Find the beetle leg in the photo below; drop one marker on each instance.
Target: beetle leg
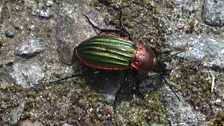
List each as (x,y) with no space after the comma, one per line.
(65,78)
(99,29)
(123,86)
(137,83)
(73,76)
(171,89)
(122,28)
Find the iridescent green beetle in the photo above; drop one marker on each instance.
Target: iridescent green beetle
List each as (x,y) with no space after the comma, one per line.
(112,52)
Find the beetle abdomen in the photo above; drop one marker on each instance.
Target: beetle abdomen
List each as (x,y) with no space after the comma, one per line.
(107,51)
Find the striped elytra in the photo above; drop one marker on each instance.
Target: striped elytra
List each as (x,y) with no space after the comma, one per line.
(107,51)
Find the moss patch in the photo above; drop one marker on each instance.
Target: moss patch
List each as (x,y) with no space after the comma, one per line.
(218,120)
(195,86)
(140,112)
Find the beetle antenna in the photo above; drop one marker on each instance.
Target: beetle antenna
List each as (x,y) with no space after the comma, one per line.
(171,56)
(172,89)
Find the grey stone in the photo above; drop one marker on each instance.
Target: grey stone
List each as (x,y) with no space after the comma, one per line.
(1,5)
(56,71)
(30,47)
(62,33)
(207,48)
(45,8)
(49,3)
(42,9)
(16,113)
(178,112)
(218,101)
(214,12)
(7,60)
(73,27)
(45,13)
(186,5)
(27,74)
(10,33)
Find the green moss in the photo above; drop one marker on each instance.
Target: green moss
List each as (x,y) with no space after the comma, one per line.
(194,86)
(28,106)
(144,24)
(218,120)
(81,82)
(140,112)
(1,42)
(192,24)
(8,105)
(31,93)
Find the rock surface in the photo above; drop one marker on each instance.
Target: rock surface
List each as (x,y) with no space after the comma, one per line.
(214,12)
(28,48)
(27,74)
(42,82)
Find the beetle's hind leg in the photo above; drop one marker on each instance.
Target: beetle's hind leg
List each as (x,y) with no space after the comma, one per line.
(123,85)
(122,30)
(100,29)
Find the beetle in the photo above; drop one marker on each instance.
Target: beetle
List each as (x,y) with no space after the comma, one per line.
(112,52)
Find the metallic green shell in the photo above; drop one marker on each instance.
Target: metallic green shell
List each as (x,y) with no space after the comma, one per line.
(107,51)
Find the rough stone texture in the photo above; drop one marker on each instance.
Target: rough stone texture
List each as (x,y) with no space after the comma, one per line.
(27,73)
(30,47)
(214,12)
(205,48)
(16,113)
(37,40)
(10,33)
(1,5)
(178,110)
(70,22)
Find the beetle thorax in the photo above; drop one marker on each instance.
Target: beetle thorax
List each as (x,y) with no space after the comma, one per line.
(144,59)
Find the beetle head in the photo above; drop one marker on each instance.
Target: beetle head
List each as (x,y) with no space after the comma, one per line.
(146,60)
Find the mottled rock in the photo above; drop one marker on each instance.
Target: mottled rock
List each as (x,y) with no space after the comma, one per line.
(109,91)
(66,124)
(55,71)
(185,5)
(30,123)
(73,27)
(214,12)
(178,112)
(10,33)
(150,83)
(27,74)
(6,60)
(1,5)
(45,8)
(29,47)
(207,48)
(59,26)
(45,13)
(16,113)
(49,3)
(42,9)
